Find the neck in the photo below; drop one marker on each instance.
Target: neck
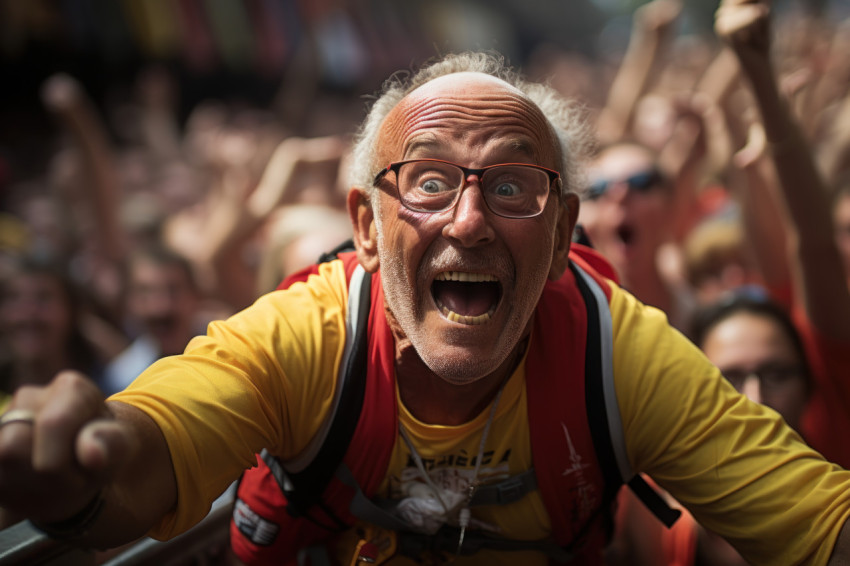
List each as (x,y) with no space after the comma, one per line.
(433,400)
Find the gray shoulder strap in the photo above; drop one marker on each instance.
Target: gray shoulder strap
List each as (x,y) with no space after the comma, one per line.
(307,456)
(612,407)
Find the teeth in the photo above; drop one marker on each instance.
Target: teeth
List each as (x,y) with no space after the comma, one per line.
(465,276)
(462,319)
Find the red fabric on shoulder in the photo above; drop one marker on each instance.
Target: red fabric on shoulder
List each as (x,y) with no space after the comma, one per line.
(349,260)
(594,263)
(260,501)
(564,457)
(378,424)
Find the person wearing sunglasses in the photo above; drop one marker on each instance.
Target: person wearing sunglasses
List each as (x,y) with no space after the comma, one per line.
(625,214)
(463,206)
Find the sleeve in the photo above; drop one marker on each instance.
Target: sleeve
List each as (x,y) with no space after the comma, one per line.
(262,379)
(733,463)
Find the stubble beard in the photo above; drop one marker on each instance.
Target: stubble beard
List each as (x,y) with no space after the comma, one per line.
(405,305)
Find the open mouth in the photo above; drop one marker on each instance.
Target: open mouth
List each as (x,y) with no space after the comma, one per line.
(626,234)
(466,298)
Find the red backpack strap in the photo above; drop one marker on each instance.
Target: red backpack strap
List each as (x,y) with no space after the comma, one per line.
(568,473)
(361,424)
(601,397)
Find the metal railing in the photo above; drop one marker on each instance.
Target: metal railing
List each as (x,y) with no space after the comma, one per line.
(24,545)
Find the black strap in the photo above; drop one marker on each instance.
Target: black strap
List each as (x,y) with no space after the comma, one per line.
(594,396)
(313,480)
(304,489)
(654,502)
(307,486)
(597,416)
(346,246)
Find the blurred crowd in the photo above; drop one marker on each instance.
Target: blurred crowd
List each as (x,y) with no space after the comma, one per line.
(149,220)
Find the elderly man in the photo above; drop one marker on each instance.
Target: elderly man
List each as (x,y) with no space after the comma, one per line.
(463,208)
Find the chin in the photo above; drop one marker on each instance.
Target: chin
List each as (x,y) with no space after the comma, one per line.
(460,366)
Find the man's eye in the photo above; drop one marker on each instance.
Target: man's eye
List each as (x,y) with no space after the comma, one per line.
(507,190)
(433,186)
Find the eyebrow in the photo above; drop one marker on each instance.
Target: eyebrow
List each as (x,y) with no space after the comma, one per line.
(422,144)
(430,145)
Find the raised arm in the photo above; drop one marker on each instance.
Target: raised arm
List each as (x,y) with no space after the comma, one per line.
(650,32)
(98,474)
(241,205)
(817,276)
(64,96)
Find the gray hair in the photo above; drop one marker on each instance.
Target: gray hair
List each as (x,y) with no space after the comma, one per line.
(566,117)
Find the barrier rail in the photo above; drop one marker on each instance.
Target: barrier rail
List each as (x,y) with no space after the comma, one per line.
(24,545)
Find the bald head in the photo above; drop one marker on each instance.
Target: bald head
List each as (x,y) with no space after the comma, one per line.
(453,76)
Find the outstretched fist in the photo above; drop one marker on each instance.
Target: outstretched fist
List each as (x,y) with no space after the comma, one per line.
(59,445)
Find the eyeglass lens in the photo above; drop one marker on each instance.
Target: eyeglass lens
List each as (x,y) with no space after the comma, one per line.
(769,377)
(641,182)
(514,191)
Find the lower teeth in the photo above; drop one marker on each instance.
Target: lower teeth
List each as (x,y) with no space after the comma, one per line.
(463,319)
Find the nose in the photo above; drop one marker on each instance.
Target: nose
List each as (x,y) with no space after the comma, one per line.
(617,191)
(158,302)
(752,388)
(470,222)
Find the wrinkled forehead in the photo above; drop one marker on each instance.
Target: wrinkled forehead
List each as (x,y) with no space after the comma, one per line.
(479,110)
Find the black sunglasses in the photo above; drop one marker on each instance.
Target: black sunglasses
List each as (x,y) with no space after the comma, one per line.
(641,182)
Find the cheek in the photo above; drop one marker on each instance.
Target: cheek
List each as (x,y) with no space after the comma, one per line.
(652,208)
(589,215)
(796,394)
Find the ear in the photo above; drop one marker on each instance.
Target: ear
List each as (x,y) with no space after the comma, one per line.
(567,218)
(363,224)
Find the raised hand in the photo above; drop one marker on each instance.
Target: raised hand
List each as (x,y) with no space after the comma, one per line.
(745,26)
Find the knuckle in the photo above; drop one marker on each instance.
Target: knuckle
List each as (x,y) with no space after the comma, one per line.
(70,379)
(25,396)
(52,421)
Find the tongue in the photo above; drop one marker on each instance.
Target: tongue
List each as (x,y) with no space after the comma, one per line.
(468,299)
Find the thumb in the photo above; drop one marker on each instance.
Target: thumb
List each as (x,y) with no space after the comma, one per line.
(754,149)
(104,446)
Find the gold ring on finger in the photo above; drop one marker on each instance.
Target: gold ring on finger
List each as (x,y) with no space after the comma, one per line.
(17,416)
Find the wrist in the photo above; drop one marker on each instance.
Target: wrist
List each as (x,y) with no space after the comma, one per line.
(79,524)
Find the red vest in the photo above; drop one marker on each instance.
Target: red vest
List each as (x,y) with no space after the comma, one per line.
(555,384)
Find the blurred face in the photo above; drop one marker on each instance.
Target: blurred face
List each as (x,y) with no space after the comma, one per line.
(841,220)
(36,318)
(627,214)
(162,300)
(463,283)
(757,357)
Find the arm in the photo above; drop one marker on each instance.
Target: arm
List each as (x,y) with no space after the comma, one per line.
(78,447)
(762,214)
(235,211)
(734,464)
(817,276)
(159,127)
(682,158)
(64,97)
(650,32)
(835,147)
